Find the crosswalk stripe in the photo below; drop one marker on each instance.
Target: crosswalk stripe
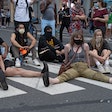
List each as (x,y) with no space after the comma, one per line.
(12,91)
(37,83)
(94,82)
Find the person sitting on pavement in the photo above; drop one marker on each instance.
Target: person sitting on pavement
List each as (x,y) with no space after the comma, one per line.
(100,52)
(3,82)
(80,66)
(8,68)
(19,40)
(49,48)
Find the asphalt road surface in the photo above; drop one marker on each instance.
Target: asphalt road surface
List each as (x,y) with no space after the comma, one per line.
(30,95)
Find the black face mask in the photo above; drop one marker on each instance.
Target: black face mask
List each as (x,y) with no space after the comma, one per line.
(48,35)
(78,42)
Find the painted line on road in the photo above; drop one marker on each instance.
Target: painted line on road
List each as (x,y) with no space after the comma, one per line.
(94,82)
(37,83)
(12,91)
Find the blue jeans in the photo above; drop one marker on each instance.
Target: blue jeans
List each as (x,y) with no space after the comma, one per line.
(45,23)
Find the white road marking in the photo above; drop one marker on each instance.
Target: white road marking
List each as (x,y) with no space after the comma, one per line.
(97,83)
(37,83)
(12,91)
(54,68)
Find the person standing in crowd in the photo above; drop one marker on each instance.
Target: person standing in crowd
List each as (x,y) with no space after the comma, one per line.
(65,19)
(19,40)
(77,15)
(91,27)
(100,52)
(60,13)
(3,18)
(49,15)
(8,17)
(109,26)
(80,66)
(22,12)
(49,48)
(100,16)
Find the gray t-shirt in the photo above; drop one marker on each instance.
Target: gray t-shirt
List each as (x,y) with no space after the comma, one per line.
(49,12)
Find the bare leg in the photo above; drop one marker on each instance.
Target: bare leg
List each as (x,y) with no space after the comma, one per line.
(22,72)
(54,80)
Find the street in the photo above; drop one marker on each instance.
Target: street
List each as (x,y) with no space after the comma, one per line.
(30,95)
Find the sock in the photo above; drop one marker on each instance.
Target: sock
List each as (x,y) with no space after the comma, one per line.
(98,63)
(107,62)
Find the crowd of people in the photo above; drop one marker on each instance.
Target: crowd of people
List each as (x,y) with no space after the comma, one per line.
(96,53)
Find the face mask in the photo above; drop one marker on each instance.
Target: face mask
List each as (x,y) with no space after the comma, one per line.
(96,5)
(78,42)
(48,34)
(98,39)
(21,31)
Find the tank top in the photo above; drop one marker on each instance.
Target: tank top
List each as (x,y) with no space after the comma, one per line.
(79,57)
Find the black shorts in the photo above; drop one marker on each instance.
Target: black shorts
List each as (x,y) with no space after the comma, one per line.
(9,63)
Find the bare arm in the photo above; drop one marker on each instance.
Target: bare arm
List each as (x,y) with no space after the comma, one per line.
(86,48)
(32,1)
(33,40)
(6,50)
(12,1)
(66,50)
(104,20)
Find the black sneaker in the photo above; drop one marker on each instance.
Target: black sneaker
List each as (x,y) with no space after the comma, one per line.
(4,85)
(45,72)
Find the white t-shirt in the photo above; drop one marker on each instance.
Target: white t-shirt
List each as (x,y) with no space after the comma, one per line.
(21,11)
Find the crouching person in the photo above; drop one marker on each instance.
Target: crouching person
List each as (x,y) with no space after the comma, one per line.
(19,40)
(49,48)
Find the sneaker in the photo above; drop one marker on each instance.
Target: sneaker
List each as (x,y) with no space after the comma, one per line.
(107,68)
(45,72)
(101,69)
(17,63)
(36,62)
(3,83)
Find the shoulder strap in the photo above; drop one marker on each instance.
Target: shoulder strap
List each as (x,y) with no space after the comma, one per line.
(16,2)
(73,56)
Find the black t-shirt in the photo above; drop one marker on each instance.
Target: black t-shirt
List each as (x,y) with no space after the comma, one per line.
(22,40)
(66,19)
(104,46)
(1,41)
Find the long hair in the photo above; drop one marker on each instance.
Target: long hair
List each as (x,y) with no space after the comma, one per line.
(93,40)
(76,34)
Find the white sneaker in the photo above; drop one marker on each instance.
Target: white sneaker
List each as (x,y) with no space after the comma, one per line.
(101,69)
(17,63)
(107,68)
(36,62)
